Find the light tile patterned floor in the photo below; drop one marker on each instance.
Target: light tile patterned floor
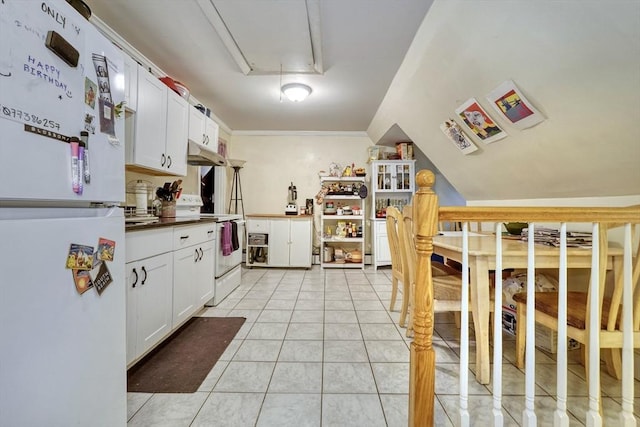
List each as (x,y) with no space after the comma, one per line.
(320,348)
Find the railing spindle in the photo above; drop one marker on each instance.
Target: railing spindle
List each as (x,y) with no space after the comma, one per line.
(498,418)
(561,419)
(627,418)
(464,330)
(528,414)
(593,417)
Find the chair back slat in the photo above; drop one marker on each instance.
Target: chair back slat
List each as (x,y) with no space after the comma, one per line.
(394,228)
(410,243)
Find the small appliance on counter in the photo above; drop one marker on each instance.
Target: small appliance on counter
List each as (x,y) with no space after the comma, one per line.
(292,208)
(143,193)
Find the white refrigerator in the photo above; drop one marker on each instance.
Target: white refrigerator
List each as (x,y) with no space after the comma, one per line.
(62,284)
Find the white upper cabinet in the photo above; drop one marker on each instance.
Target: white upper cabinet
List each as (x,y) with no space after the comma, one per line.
(177,131)
(203,130)
(157,133)
(130,83)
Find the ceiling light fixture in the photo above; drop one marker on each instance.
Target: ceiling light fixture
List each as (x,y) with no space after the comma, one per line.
(296,92)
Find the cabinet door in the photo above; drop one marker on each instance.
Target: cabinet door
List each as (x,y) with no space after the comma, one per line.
(300,248)
(279,243)
(205,274)
(132,270)
(153,299)
(403,177)
(381,242)
(184,283)
(150,134)
(211,134)
(196,126)
(384,177)
(177,133)
(130,83)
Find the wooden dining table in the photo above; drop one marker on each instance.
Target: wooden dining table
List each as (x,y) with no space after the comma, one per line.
(482,259)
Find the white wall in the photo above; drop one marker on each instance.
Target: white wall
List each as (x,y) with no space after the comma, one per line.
(578,62)
(274,161)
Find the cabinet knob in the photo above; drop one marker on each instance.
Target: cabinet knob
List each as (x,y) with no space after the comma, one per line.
(168,161)
(163,159)
(135,281)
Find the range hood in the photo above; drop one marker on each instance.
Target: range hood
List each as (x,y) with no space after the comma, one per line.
(200,155)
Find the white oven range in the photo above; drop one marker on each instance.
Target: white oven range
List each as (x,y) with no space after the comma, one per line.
(228,269)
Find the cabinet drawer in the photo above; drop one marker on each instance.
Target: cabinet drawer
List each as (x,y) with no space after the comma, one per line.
(188,235)
(144,244)
(258,225)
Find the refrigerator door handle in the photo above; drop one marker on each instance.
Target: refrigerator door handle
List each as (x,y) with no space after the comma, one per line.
(135,281)
(144,270)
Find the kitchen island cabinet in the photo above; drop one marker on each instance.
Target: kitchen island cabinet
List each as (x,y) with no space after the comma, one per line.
(279,240)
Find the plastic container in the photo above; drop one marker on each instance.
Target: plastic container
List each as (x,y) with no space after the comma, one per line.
(182,90)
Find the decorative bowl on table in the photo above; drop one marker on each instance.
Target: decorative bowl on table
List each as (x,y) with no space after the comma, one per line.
(515,228)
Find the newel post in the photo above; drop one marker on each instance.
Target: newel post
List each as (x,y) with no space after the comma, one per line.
(423,357)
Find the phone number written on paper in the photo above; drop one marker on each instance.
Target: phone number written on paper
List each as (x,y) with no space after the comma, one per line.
(24,117)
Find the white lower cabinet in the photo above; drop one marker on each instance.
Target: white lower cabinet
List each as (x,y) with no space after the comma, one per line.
(381,251)
(170,274)
(192,270)
(149,270)
(205,274)
(283,242)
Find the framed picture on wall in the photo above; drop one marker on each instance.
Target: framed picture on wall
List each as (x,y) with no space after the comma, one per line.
(479,122)
(507,100)
(455,134)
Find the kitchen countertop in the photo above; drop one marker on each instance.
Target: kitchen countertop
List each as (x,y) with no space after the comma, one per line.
(279,216)
(165,222)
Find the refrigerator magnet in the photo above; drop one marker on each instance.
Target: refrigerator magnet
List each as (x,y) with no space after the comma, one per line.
(80,257)
(82,279)
(106,249)
(107,119)
(102,279)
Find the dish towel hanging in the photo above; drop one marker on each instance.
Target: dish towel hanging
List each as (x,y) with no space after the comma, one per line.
(235,244)
(225,241)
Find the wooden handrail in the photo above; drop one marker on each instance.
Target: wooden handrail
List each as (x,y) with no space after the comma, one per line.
(426,214)
(629,214)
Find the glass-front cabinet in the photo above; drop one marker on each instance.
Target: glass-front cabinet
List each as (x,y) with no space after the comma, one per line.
(392,176)
(393,184)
